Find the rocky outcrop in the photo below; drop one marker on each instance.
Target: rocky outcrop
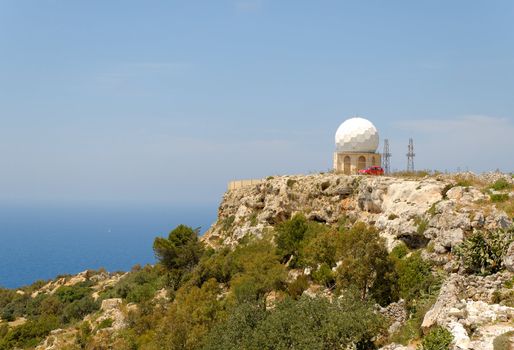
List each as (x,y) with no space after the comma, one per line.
(59,339)
(112,310)
(415,211)
(101,279)
(465,308)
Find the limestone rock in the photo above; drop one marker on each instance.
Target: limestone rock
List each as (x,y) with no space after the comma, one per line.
(448,297)
(396,314)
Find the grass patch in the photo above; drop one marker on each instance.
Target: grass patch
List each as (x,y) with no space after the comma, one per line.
(392,217)
(422,225)
(432,210)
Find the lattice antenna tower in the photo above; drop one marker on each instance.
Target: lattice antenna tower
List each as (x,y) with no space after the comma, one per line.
(410,156)
(386,157)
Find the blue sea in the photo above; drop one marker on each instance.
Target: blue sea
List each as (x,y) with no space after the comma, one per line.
(41,242)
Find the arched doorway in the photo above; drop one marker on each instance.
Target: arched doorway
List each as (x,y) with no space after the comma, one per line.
(347,163)
(361,163)
(373,161)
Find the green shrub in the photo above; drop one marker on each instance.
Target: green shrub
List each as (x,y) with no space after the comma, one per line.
(30,333)
(482,252)
(139,285)
(399,251)
(256,270)
(78,309)
(187,320)
(324,276)
(69,294)
(438,338)
(84,334)
(499,197)
(415,278)
(106,323)
(304,324)
(298,286)
(322,247)
(214,264)
(500,184)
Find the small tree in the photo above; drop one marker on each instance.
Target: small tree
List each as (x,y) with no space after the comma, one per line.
(179,253)
(289,236)
(365,263)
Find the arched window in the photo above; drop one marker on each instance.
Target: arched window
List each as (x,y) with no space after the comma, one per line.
(347,163)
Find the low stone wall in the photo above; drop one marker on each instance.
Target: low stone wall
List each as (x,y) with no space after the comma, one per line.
(234,185)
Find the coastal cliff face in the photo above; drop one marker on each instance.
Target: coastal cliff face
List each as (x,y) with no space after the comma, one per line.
(418,211)
(431,213)
(429,218)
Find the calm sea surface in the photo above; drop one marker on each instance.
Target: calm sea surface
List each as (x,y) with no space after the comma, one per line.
(42,242)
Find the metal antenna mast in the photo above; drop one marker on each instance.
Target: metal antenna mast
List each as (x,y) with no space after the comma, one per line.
(410,156)
(386,157)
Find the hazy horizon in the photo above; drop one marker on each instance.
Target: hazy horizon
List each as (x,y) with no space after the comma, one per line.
(165,102)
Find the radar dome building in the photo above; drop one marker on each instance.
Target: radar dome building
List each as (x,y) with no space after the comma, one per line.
(356,146)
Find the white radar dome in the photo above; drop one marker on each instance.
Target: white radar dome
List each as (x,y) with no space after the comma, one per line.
(357,135)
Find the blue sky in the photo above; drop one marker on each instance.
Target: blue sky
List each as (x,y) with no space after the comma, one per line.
(166,101)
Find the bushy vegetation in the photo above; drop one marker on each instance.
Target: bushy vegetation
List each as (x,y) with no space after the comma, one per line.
(45,312)
(242,297)
(438,338)
(482,252)
(303,324)
(140,285)
(500,185)
(179,253)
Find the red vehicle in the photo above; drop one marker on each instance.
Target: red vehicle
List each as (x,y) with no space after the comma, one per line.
(372,170)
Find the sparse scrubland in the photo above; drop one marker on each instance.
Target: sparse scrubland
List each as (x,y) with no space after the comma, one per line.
(411,261)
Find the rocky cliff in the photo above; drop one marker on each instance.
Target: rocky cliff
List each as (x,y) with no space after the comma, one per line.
(434,213)
(417,211)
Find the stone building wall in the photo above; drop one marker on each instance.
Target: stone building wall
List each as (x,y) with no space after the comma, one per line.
(351,163)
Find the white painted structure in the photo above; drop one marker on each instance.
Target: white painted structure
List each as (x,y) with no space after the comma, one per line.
(356,146)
